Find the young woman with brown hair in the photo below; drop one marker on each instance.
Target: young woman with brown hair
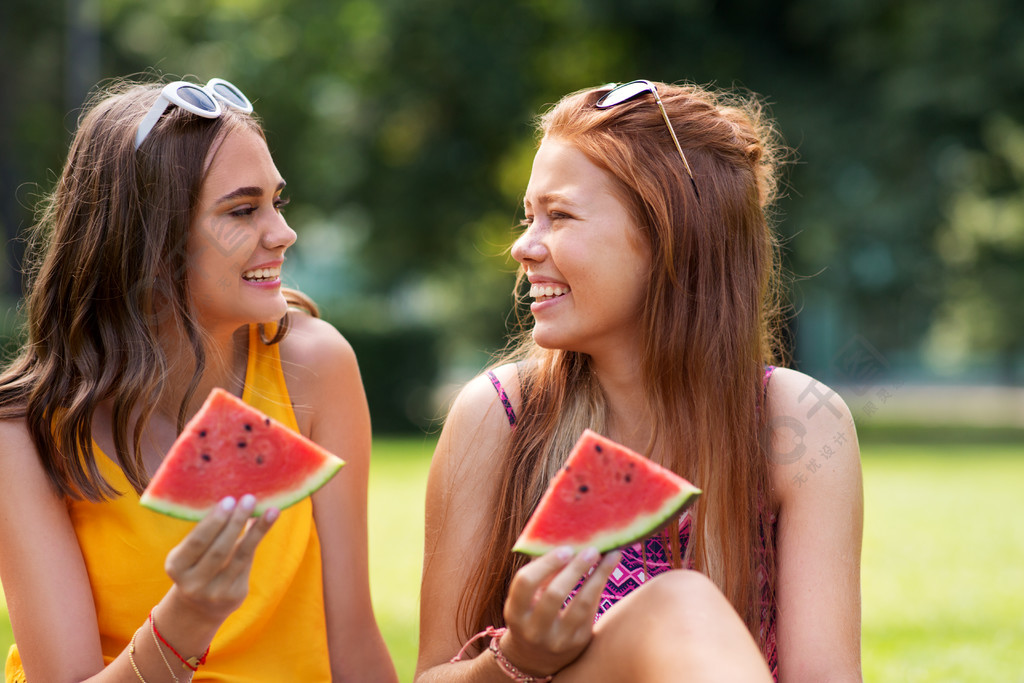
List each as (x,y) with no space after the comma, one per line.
(156,276)
(652,270)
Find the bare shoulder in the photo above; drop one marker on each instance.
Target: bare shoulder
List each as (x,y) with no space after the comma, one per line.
(477,423)
(315,345)
(462,489)
(464,470)
(27,497)
(819,501)
(320,369)
(19,460)
(814,439)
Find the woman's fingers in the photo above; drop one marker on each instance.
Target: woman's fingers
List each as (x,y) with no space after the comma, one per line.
(219,551)
(523,590)
(254,533)
(584,604)
(544,633)
(225,538)
(539,590)
(187,553)
(550,598)
(211,566)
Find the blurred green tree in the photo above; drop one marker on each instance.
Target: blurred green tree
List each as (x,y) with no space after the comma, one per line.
(404,129)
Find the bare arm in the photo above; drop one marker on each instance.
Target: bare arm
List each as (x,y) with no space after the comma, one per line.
(324,382)
(818,490)
(461,490)
(543,636)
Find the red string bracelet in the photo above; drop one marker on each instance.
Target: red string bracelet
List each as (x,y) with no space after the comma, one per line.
(192,662)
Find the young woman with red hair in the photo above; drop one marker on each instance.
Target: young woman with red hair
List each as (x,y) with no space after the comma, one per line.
(653,274)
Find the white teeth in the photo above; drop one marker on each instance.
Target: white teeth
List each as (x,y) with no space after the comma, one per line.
(260,274)
(540,292)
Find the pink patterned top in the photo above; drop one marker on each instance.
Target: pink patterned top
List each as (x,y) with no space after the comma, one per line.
(651,557)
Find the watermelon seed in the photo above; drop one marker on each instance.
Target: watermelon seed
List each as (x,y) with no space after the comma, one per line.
(259,459)
(597,447)
(628,478)
(241,444)
(206,457)
(202,432)
(248,427)
(584,488)
(266,421)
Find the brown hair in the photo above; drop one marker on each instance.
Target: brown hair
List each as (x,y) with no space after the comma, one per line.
(708,328)
(107,269)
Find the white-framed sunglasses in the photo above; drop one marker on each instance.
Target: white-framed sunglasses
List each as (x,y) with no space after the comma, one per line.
(207,101)
(627,91)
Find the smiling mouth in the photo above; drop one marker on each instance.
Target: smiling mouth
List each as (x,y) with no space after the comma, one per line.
(547,292)
(262,274)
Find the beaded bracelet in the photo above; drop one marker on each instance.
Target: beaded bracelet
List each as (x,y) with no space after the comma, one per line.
(192,663)
(507,667)
(131,657)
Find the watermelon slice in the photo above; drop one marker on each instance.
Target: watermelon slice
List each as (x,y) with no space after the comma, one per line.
(229,449)
(606,496)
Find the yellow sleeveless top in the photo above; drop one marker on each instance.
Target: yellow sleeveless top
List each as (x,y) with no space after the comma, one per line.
(278,634)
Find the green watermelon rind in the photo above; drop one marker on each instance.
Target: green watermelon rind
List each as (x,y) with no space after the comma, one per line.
(640,528)
(310,485)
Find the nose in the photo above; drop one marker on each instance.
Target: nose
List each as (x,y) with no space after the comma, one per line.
(529,247)
(278,234)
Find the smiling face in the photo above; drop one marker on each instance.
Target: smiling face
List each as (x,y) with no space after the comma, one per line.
(238,237)
(583,255)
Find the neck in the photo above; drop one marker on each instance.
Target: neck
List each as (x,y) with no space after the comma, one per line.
(224,366)
(628,420)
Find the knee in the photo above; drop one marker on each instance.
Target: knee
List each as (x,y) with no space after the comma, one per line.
(688,603)
(684,598)
(681,620)
(684,593)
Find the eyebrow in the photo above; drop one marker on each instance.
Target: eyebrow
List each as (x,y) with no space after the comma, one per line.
(250,191)
(551,198)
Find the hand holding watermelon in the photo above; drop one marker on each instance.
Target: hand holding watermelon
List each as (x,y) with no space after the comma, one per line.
(544,634)
(606,496)
(210,567)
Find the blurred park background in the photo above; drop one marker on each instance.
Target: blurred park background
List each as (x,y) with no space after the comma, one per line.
(404,130)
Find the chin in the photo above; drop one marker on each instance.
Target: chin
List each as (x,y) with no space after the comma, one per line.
(275,317)
(546,339)
(272,310)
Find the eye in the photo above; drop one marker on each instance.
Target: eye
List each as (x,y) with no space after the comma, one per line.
(526,223)
(280,203)
(243,211)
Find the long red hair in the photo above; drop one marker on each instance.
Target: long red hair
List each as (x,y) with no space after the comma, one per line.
(709,327)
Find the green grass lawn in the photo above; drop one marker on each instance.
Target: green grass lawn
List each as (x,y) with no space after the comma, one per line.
(943,571)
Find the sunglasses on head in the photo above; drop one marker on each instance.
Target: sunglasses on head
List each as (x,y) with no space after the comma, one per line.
(208,101)
(627,91)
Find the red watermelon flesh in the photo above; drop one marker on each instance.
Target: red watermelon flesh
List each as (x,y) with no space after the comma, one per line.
(605,496)
(230,449)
